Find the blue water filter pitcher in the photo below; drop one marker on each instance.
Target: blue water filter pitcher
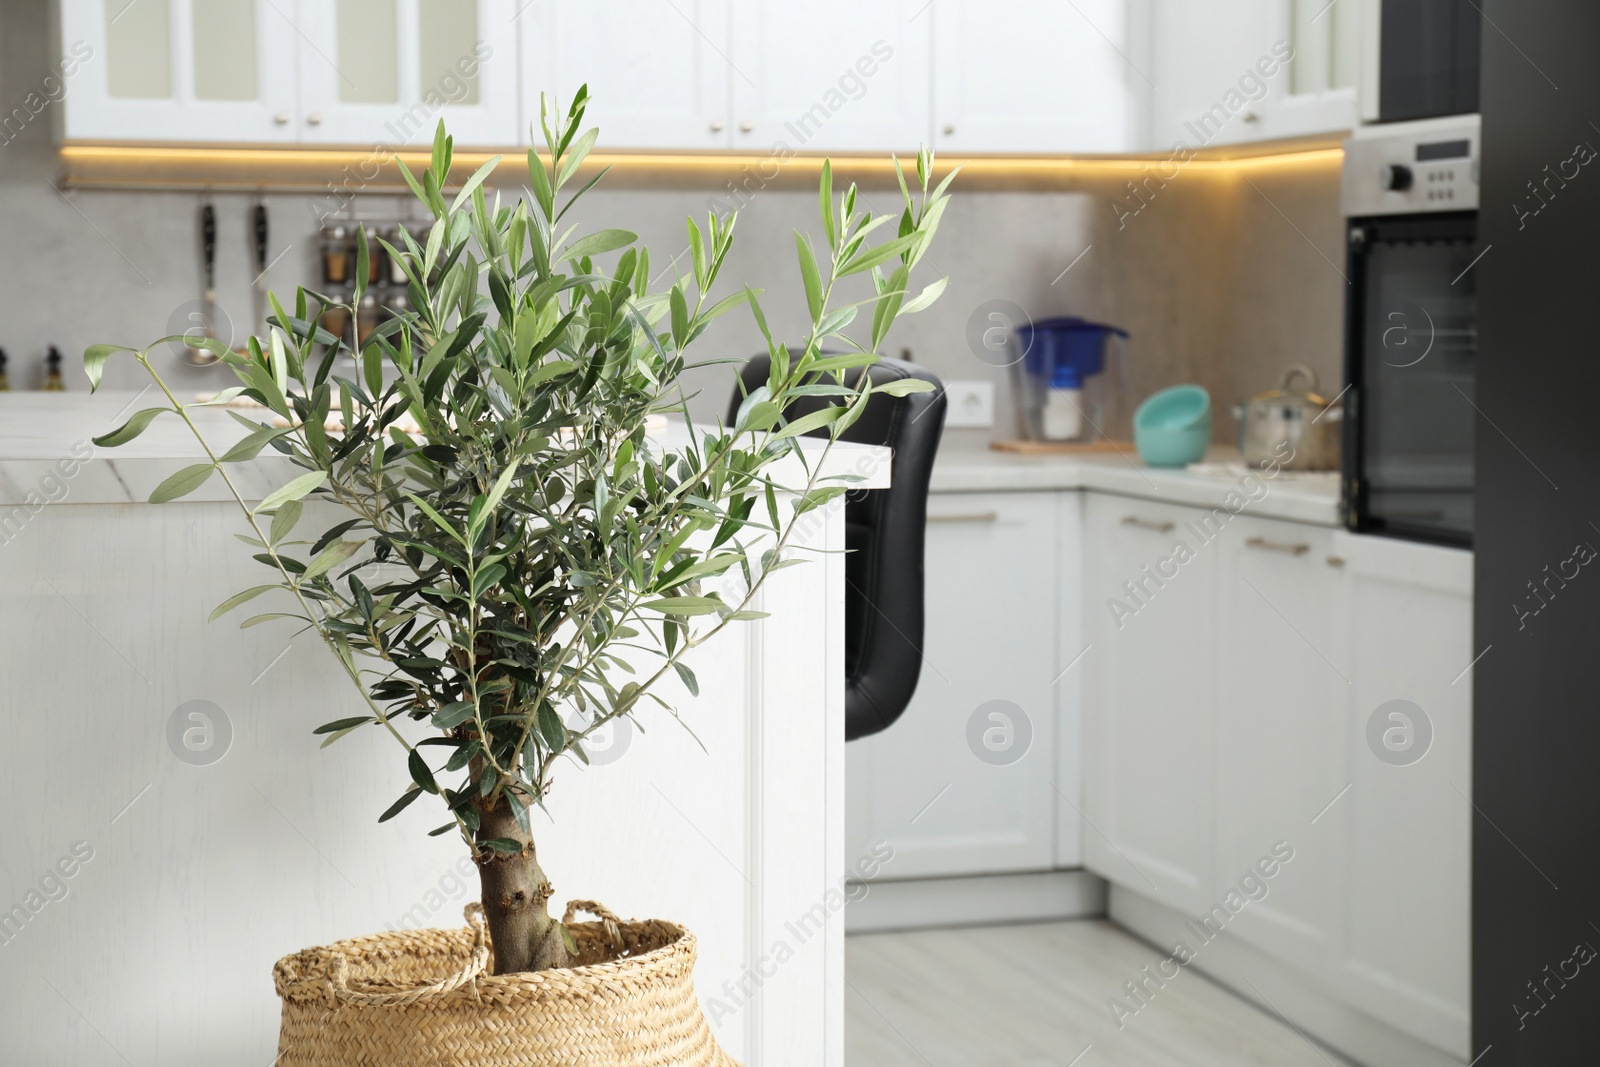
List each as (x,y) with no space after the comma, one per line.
(1063,383)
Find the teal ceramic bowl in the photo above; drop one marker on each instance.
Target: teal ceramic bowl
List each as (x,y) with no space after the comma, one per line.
(1173,427)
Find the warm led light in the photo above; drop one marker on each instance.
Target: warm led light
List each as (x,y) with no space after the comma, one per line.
(278,160)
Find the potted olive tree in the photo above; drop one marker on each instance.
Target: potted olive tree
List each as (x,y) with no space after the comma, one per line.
(486,456)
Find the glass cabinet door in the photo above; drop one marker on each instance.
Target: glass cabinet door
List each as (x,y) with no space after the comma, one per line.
(179,70)
(384,72)
(1319,91)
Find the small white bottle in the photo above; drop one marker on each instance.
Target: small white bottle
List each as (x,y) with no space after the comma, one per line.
(1062,417)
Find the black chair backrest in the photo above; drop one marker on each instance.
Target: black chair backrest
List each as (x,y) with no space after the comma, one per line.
(885,530)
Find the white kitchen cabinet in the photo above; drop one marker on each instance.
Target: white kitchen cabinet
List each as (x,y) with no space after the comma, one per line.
(1403,879)
(387,71)
(1293,683)
(658,74)
(1072,648)
(361,72)
(178,70)
(1233,71)
(1320,93)
(962,782)
(222,837)
(1034,76)
(1204,50)
(1149,705)
(831,75)
(1282,686)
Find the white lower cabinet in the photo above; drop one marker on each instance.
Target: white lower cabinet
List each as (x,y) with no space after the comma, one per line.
(1402,884)
(1282,683)
(1149,700)
(1166,694)
(962,783)
(1298,684)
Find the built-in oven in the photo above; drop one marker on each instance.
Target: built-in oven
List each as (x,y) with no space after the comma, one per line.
(1410,195)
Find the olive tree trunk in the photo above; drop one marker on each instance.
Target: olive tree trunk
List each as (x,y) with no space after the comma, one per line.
(516,896)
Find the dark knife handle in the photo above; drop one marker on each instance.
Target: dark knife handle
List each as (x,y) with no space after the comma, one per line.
(208,243)
(259,217)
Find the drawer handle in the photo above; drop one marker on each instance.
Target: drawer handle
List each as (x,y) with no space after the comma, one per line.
(971,516)
(1277,546)
(1146,524)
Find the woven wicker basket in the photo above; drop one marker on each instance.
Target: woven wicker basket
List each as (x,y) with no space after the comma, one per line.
(422,999)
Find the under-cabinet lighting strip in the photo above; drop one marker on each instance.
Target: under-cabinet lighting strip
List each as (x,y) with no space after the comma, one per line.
(115,166)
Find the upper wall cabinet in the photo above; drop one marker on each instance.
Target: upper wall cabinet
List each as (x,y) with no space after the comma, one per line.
(831,75)
(386,71)
(1331,48)
(1233,71)
(1034,76)
(754,76)
(828,75)
(658,73)
(179,70)
(1217,66)
(262,71)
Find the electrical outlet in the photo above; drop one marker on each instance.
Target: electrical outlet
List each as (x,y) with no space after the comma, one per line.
(971,405)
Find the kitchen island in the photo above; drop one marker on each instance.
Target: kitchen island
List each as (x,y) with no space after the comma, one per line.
(168,764)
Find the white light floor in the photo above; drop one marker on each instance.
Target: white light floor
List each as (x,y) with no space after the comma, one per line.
(1035,996)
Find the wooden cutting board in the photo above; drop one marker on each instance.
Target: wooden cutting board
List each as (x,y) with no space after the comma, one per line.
(1045,448)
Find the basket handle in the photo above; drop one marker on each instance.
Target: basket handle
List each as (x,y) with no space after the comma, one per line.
(600,911)
(338,984)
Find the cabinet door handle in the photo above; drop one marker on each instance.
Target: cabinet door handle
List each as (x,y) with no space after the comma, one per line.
(281,118)
(1146,524)
(314,119)
(746,126)
(716,125)
(1277,546)
(969,516)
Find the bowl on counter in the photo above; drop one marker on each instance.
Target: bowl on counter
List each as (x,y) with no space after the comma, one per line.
(1173,427)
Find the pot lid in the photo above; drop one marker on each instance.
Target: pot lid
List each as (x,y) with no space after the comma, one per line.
(1287,391)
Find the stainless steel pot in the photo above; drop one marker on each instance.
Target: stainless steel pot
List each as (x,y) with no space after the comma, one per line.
(1294,427)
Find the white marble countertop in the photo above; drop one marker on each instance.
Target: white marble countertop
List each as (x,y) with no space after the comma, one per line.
(1310,497)
(47,454)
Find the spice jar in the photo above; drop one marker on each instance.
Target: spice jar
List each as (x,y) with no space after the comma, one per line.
(336,256)
(377,262)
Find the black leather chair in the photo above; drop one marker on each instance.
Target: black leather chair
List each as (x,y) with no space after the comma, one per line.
(885,530)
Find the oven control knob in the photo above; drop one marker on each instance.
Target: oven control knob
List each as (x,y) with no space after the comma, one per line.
(1396,177)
